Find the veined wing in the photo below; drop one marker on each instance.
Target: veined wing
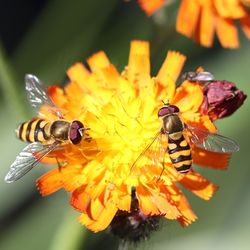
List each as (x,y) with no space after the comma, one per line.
(38,96)
(151,159)
(212,141)
(204,77)
(27,159)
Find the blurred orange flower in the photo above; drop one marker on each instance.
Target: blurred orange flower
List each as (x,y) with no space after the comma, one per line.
(201,19)
(150,6)
(121,112)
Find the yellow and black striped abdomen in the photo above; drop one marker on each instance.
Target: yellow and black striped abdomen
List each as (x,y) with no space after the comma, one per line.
(179,152)
(35,130)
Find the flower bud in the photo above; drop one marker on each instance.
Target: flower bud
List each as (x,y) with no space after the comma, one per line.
(221,99)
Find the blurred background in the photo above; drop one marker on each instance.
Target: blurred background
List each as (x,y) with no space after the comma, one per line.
(45,38)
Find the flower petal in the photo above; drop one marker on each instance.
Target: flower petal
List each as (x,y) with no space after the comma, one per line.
(138,69)
(98,61)
(79,199)
(78,73)
(197,184)
(229,8)
(187,216)
(104,219)
(49,182)
(169,72)
(146,201)
(151,6)
(207,27)
(210,159)
(227,33)
(182,97)
(188,17)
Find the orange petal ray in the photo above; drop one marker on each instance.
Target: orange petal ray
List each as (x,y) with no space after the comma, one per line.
(188,17)
(227,33)
(138,69)
(197,184)
(103,221)
(49,182)
(182,97)
(210,159)
(98,61)
(207,27)
(170,71)
(151,6)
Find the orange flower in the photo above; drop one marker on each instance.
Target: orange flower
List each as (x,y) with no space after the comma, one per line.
(121,112)
(150,6)
(201,19)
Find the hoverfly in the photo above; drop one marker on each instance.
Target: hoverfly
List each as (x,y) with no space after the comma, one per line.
(203,77)
(175,139)
(44,136)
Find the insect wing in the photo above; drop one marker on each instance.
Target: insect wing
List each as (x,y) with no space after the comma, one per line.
(27,159)
(152,157)
(204,77)
(37,96)
(211,141)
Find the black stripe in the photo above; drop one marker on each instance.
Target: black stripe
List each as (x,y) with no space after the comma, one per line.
(28,130)
(45,136)
(20,131)
(177,143)
(183,168)
(37,130)
(184,171)
(181,158)
(178,148)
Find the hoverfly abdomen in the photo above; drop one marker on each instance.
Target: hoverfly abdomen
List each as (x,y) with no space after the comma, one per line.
(179,152)
(33,131)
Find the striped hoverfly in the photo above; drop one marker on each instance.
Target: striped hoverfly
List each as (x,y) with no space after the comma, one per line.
(44,136)
(175,138)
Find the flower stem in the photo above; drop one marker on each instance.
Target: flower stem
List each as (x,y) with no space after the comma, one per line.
(9,88)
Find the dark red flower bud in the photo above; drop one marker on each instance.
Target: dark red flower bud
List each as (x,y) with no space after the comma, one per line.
(134,226)
(221,99)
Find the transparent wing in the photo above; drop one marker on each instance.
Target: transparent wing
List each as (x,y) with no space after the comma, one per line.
(37,96)
(27,159)
(200,76)
(152,157)
(212,142)
(204,77)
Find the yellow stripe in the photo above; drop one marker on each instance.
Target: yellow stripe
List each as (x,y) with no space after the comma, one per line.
(183,143)
(180,164)
(23,135)
(172,146)
(179,153)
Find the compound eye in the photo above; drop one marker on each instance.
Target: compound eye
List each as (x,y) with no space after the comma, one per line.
(173,109)
(163,112)
(76,132)
(167,110)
